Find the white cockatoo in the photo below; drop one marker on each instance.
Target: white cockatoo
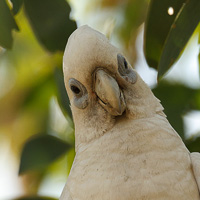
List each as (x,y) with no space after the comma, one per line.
(125,147)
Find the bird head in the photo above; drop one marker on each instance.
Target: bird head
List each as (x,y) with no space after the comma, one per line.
(102,86)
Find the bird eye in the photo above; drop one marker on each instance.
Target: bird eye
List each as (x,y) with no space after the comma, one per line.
(124,70)
(75,89)
(122,65)
(80,93)
(125,64)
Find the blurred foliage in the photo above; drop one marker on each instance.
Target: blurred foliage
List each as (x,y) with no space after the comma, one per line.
(181,30)
(35,198)
(50,22)
(134,16)
(17,4)
(33,98)
(7,23)
(157,28)
(168,28)
(40,151)
(193,143)
(180,100)
(30,77)
(62,93)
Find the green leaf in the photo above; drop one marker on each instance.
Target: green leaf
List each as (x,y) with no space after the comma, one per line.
(35,198)
(50,22)
(199,35)
(40,151)
(193,143)
(199,50)
(177,100)
(7,23)
(17,4)
(199,62)
(180,32)
(157,27)
(63,98)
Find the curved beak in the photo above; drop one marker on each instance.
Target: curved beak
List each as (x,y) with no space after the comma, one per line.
(109,94)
